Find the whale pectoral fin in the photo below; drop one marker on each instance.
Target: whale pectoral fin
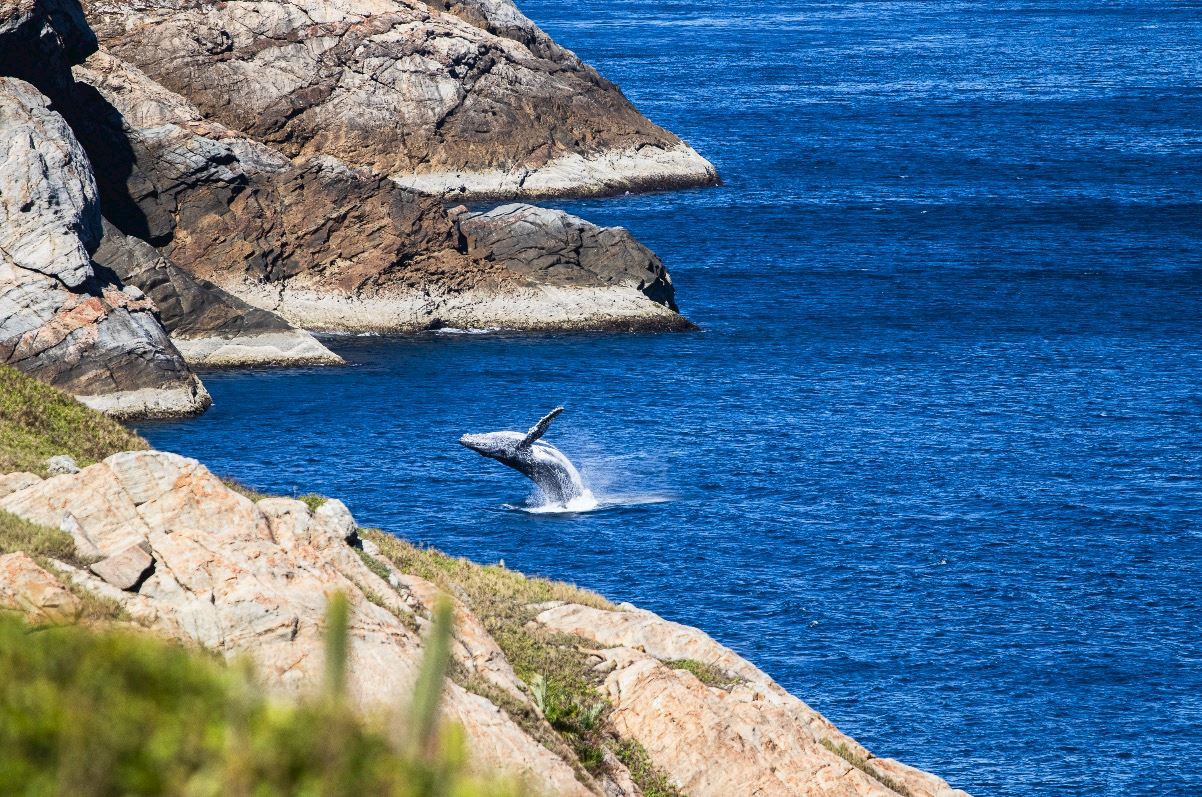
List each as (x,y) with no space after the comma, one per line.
(539,429)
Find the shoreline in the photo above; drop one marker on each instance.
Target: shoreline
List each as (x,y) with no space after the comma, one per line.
(573,176)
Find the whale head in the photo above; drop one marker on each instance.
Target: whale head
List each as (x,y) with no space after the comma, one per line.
(494,445)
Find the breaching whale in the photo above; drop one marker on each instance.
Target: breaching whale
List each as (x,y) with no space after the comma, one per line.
(542,463)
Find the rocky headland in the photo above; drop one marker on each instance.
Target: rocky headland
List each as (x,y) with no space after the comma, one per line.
(212,182)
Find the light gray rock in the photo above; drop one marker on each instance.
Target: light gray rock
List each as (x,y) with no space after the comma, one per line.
(59,321)
(127,568)
(49,212)
(13,482)
(61,464)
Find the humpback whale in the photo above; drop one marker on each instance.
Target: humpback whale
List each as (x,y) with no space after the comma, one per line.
(541,462)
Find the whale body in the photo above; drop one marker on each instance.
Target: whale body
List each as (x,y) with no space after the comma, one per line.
(542,463)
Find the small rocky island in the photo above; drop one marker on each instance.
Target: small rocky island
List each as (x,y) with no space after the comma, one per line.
(199,184)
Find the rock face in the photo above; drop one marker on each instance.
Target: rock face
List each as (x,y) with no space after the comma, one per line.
(326,246)
(209,326)
(550,247)
(766,740)
(58,320)
(40,40)
(460,97)
(39,595)
(254,579)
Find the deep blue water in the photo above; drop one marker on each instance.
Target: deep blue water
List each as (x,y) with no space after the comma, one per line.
(936,460)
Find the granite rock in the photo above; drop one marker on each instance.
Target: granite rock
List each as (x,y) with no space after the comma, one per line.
(59,320)
(247,579)
(39,595)
(447,97)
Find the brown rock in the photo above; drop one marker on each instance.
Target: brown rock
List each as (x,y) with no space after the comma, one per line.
(27,588)
(326,246)
(209,326)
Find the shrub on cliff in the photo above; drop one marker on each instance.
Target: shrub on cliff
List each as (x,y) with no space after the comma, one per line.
(95,713)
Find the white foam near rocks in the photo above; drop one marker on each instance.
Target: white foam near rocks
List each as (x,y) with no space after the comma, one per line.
(295,347)
(608,172)
(534,308)
(149,402)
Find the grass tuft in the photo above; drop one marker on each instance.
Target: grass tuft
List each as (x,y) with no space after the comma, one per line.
(708,674)
(38,422)
(17,534)
(861,763)
(313,501)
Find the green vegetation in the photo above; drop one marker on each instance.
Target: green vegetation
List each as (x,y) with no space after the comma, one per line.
(38,422)
(245,491)
(91,714)
(313,501)
(17,534)
(708,674)
(861,763)
(559,675)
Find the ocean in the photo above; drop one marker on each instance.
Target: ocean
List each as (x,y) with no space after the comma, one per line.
(934,461)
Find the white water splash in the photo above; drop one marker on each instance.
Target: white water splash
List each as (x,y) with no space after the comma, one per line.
(588,502)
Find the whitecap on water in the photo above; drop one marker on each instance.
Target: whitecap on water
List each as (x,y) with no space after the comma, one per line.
(588,503)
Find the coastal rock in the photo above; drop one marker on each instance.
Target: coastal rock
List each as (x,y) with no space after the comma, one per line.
(329,247)
(208,326)
(12,482)
(126,569)
(550,247)
(40,40)
(27,588)
(59,321)
(253,579)
(61,464)
(456,97)
(763,735)
(49,212)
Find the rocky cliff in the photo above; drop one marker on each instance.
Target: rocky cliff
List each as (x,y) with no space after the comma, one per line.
(59,319)
(265,169)
(461,98)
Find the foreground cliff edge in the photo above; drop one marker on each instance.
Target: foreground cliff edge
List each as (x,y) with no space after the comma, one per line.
(549,682)
(203,186)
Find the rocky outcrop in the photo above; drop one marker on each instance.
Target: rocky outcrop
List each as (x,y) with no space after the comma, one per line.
(26,588)
(550,247)
(210,327)
(767,740)
(59,321)
(242,578)
(461,97)
(329,247)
